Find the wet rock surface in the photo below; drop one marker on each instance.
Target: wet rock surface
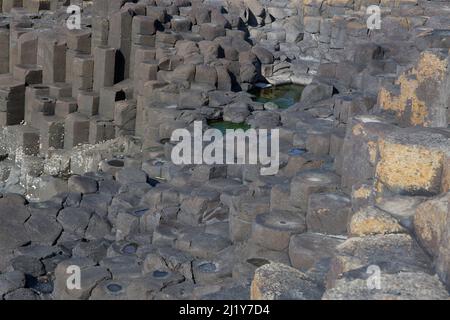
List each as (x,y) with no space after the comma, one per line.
(358,209)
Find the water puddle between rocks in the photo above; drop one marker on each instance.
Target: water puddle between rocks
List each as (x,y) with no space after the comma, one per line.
(296,152)
(130,248)
(113,287)
(284,96)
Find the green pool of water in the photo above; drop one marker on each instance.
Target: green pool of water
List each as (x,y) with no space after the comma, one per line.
(284,96)
(224,125)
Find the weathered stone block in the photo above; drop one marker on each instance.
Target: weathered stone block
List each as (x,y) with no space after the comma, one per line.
(360,150)
(76,130)
(373,221)
(307,249)
(412,161)
(275,281)
(308,182)
(273,230)
(328,213)
(421,100)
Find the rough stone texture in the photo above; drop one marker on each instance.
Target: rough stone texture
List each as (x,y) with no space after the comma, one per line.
(276,281)
(411,162)
(87,117)
(430,222)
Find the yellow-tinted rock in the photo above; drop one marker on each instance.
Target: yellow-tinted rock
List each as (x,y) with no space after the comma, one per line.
(360,149)
(391,253)
(362,192)
(430,222)
(362,196)
(276,281)
(412,161)
(408,166)
(372,221)
(446,175)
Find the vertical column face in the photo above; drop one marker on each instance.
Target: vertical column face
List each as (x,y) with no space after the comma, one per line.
(108,97)
(100,130)
(12,100)
(76,130)
(100,31)
(7,5)
(82,75)
(52,58)
(104,67)
(36,5)
(101,8)
(120,38)
(15,34)
(31,93)
(27,45)
(79,40)
(51,134)
(4,48)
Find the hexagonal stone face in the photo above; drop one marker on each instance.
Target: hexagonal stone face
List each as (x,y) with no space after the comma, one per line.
(309,182)
(130,175)
(22,294)
(328,213)
(243,211)
(273,230)
(83,185)
(276,281)
(430,223)
(43,228)
(412,161)
(359,151)
(13,214)
(74,220)
(110,290)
